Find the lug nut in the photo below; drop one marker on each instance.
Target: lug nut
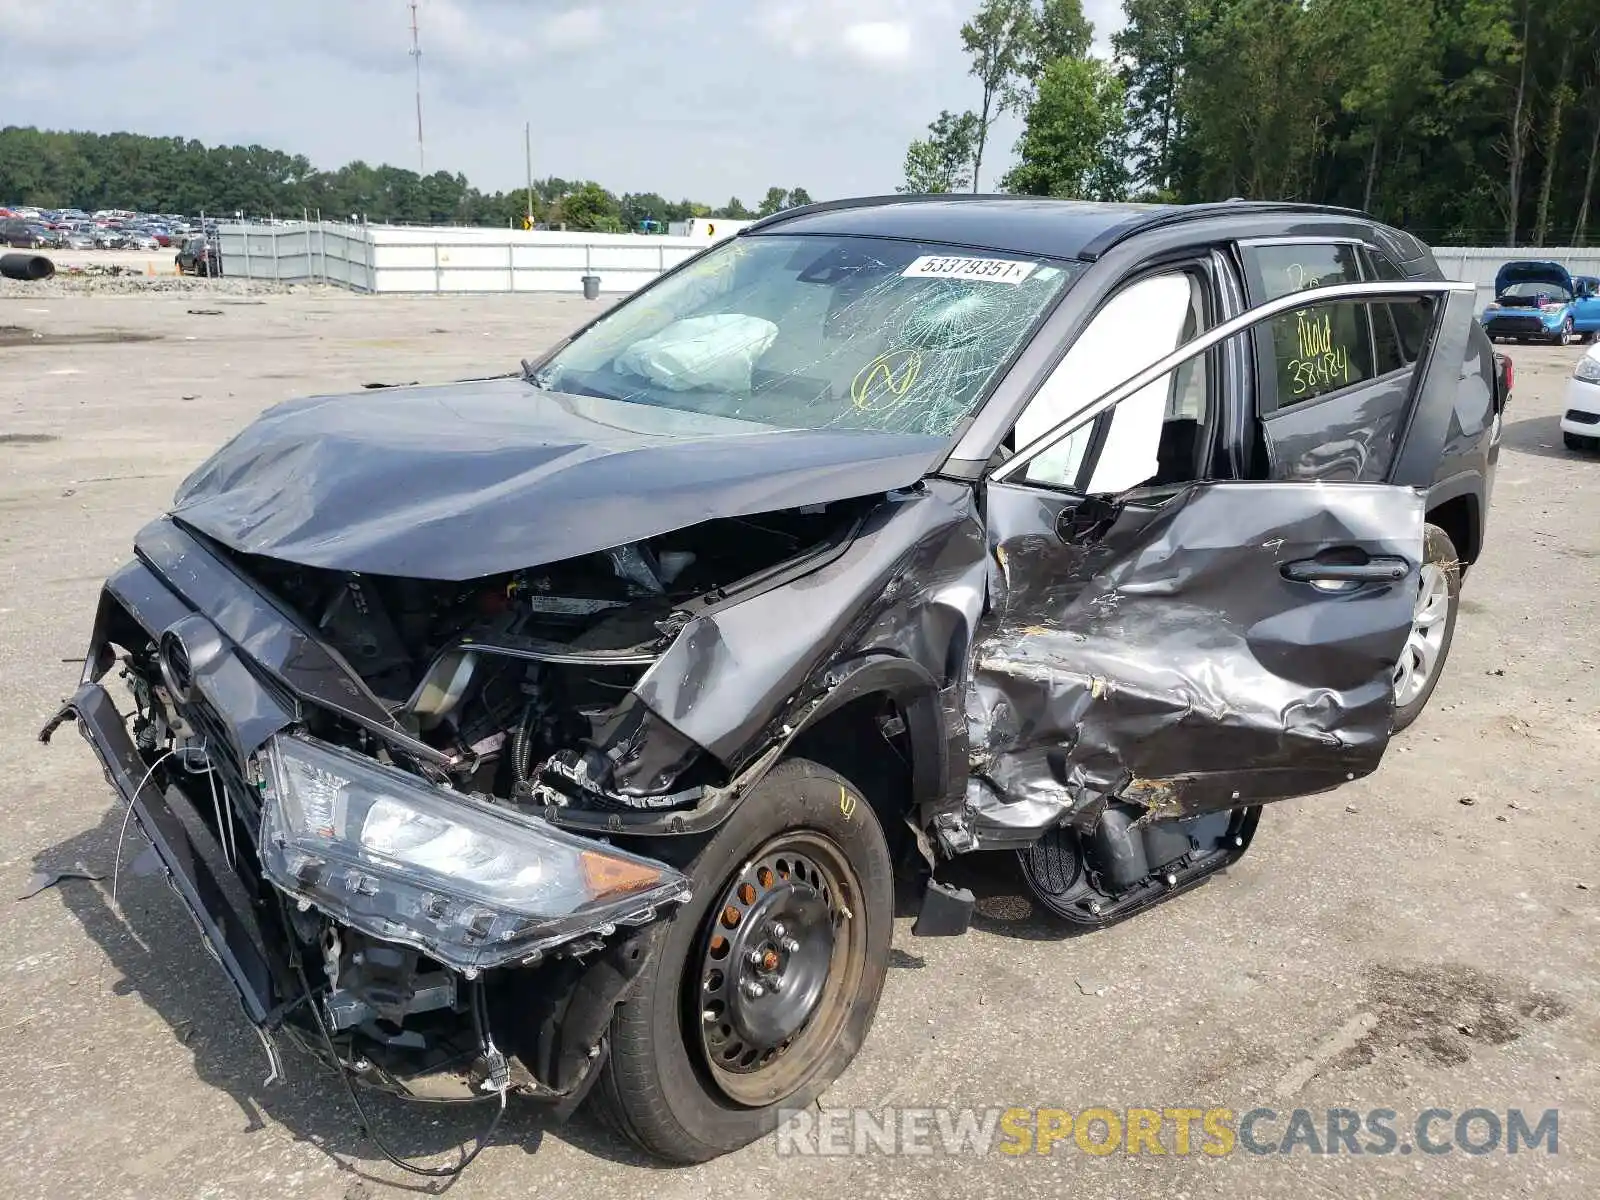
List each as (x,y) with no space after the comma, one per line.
(753,958)
(754,990)
(775,985)
(778,930)
(790,946)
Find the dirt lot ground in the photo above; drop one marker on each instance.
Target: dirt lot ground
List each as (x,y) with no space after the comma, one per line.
(1388,946)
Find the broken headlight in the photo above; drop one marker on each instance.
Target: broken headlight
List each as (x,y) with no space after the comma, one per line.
(469,883)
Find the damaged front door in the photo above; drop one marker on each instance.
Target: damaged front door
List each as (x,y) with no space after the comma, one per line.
(1182,645)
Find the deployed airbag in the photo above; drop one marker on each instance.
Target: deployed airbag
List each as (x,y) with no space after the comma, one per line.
(717,352)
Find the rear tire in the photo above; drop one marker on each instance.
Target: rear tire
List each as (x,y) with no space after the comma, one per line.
(1433,627)
(1576,441)
(659,1086)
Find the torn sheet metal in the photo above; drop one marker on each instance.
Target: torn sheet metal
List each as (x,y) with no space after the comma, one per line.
(464,480)
(1161,656)
(908,588)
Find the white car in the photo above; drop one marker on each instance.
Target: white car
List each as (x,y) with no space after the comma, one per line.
(1580,425)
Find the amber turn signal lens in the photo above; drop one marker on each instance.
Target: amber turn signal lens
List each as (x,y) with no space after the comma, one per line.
(606,876)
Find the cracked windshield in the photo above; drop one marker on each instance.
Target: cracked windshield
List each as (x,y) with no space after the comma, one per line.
(803,331)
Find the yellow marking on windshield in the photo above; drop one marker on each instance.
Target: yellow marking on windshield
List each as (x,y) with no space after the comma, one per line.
(890,374)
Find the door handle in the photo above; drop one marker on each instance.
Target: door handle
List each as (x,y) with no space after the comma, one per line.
(1374,570)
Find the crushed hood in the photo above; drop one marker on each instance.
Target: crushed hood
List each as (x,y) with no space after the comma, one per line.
(1532,272)
(463,480)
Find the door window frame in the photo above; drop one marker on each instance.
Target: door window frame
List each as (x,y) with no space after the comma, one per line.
(1248,322)
(1198,264)
(1268,403)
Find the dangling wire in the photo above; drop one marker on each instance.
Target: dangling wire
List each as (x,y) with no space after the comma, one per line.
(116,869)
(364,1122)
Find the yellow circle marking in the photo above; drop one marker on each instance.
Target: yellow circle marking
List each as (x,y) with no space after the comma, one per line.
(890,374)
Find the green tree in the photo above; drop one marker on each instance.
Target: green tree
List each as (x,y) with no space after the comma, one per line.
(1059,30)
(996,39)
(1153,50)
(777,199)
(591,208)
(1071,144)
(939,162)
(799,197)
(733,210)
(638,207)
(1592,155)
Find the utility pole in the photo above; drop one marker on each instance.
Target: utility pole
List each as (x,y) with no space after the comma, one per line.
(416,58)
(527,150)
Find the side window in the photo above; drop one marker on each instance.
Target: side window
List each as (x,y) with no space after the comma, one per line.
(1399,330)
(1156,435)
(1312,352)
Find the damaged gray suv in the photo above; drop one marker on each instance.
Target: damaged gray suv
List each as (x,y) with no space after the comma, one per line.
(563,733)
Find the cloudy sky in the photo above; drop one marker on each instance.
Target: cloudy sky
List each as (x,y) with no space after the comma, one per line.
(699,98)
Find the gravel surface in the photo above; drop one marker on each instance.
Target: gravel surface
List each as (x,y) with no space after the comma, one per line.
(1385,946)
(94,283)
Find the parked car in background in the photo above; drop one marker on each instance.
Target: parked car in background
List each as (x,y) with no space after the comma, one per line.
(109,239)
(134,239)
(77,239)
(1540,301)
(560,732)
(1586,306)
(21,234)
(199,256)
(1580,424)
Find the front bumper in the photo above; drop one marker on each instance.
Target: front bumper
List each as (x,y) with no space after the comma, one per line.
(252,675)
(1581,416)
(1521,325)
(228,918)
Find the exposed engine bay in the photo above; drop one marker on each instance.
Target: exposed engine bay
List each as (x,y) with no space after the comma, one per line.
(524,679)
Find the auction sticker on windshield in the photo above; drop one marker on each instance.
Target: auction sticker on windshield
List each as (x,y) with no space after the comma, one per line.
(986,270)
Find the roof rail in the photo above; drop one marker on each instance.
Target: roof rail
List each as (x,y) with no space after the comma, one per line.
(821,206)
(1180,213)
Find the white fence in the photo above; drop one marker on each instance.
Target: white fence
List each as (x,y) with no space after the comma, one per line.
(1478,264)
(379,258)
(383,258)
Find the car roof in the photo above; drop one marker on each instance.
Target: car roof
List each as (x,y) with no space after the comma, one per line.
(1047,227)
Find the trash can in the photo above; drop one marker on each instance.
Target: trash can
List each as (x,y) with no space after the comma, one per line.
(591,287)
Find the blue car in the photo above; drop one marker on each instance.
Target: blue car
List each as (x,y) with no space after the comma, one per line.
(1542,301)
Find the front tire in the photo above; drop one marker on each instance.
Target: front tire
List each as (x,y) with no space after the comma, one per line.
(1433,625)
(706,1051)
(1567,336)
(1576,441)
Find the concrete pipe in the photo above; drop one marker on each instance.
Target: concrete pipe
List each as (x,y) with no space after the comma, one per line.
(26,266)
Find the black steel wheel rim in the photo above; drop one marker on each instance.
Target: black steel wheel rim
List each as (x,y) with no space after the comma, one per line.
(777,968)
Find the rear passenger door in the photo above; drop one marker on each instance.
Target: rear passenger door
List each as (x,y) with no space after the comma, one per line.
(1335,380)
